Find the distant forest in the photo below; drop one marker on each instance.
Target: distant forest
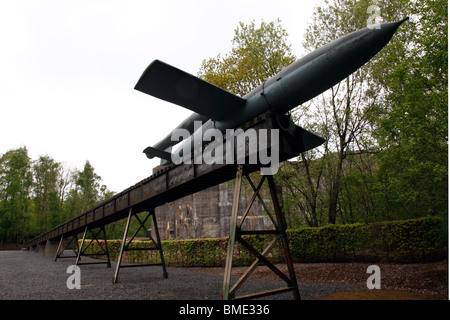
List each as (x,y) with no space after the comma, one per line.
(36,195)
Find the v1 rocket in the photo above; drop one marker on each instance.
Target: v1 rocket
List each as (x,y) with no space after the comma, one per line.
(301,81)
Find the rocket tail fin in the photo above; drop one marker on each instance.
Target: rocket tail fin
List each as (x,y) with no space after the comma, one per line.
(307,139)
(151,152)
(297,139)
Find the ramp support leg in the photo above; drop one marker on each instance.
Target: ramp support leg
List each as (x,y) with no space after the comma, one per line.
(59,251)
(126,243)
(122,247)
(278,234)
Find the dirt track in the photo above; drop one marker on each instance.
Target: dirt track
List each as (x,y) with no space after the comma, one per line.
(30,276)
(398,281)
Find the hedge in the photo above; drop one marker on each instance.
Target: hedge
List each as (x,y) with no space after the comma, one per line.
(415,240)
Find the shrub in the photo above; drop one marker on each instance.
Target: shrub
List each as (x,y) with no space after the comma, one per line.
(415,240)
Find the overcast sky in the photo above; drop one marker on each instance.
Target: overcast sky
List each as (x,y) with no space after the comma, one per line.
(68,69)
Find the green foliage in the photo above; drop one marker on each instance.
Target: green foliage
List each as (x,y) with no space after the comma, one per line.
(46,198)
(15,187)
(88,187)
(326,243)
(414,240)
(257,54)
(36,195)
(413,121)
(411,240)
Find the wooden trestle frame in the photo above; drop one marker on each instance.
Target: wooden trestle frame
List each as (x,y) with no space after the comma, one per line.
(104,248)
(125,244)
(279,233)
(81,250)
(62,247)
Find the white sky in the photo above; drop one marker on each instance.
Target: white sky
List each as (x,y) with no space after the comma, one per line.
(68,69)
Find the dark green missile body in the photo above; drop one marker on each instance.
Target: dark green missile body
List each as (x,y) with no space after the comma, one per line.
(294,85)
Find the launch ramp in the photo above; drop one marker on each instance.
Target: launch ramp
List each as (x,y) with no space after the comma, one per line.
(170,184)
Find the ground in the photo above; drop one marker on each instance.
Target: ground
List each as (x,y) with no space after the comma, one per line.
(423,281)
(10,246)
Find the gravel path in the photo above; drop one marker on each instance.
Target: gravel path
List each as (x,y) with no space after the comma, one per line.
(28,275)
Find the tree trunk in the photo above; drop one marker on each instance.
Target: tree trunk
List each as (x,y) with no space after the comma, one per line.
(334,191)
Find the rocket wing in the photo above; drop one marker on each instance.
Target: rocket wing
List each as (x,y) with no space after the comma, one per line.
(176,86)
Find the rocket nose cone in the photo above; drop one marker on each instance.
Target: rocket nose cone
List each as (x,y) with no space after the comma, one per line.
(388,29)
(397,24)
(393,25)
(401,21)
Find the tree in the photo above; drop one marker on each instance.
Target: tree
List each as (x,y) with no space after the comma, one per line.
(88,191)
(395,108)
(88,184)
(342,114)
(15,185)
(45,187)
(258,53)
(412,121)
(65,182)
(36,195)
(303,198)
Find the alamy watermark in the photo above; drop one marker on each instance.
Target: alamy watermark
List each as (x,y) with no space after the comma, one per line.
(74,280)
(374,281)
(211,146)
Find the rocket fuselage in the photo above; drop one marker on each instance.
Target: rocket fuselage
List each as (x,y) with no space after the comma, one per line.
(299,82)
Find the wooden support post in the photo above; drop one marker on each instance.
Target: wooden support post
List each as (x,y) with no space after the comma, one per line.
(106,246)
(278,233)
(158,242)
(81,247)
(285,244)
(124,239)
(59,247)
(232,238)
